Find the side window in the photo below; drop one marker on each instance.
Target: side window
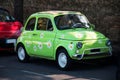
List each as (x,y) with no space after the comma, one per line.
(3,15)
(44,24)
(31,24)
(2,18)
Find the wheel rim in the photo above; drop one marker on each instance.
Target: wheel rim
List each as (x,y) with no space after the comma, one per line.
(62,60)
(21,53)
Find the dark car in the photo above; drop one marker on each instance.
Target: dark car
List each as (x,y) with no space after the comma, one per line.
(10,29)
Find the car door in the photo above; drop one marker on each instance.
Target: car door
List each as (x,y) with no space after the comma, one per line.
(28,34)
(44,38)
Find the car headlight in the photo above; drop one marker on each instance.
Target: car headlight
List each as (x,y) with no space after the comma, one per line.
(108,43)
(79,45)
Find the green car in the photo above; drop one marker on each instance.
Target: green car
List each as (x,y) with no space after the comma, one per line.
(63,36)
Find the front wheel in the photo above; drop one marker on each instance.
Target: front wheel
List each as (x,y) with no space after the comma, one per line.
(63,60)
(21,54)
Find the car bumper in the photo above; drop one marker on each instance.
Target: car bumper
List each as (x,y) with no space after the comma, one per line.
(91,55)
(7,44)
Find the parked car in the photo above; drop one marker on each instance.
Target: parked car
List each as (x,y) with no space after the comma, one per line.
(63,36)
(10,29)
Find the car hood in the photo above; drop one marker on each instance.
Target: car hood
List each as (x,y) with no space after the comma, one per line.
(79,34)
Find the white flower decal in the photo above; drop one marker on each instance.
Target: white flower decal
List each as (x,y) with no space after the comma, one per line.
(21,38)
(79,35)
(40,45)
(35,48)
(49,44)
(28,44)
(41,35)
(62,36)
(30,36)
(70,46)
(100,41)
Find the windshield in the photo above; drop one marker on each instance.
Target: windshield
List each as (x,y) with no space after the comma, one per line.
(5,16)
(70,21)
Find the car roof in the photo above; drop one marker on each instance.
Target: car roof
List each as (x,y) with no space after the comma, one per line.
(55,13)
(2,9)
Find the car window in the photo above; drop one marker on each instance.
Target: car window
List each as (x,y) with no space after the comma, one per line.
(70,21)
(5,16)
(44,24)
(31,24)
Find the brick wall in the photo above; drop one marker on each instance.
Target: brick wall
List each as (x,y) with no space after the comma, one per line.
(105,14)
(7,4)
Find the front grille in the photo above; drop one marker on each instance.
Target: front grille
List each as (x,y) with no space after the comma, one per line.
(96,54)
(95,50)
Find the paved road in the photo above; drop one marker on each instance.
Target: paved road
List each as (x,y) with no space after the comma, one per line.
(39,69)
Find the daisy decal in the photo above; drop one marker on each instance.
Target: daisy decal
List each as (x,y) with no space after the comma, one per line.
(70,46)
(30,36)
(62,36)
(49,44)
(100,41)
(35,48)
(28,44)
(21,38)
(40,45)
(41,35)
(79,35)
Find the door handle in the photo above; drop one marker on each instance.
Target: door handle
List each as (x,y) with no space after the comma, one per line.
(34,34)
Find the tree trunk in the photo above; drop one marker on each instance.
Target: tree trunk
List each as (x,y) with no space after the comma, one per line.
(18,10)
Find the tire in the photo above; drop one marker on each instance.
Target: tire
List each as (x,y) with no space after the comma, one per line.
(21,54)
(63,60)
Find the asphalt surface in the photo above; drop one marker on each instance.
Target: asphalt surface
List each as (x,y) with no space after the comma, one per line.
(40,69)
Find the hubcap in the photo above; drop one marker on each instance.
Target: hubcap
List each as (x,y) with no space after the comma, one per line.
(21,53)
(62,60)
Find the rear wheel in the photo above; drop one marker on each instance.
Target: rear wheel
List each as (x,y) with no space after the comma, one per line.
(63,59)
(21,54)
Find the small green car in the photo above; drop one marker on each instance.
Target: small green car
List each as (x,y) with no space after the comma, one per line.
(62,36)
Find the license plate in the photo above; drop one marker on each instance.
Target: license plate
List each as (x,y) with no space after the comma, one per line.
(11,41)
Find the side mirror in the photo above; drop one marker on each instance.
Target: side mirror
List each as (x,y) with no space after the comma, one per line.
(21,29)
(92,26)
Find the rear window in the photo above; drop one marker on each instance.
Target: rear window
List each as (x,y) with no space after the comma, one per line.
(5,16)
